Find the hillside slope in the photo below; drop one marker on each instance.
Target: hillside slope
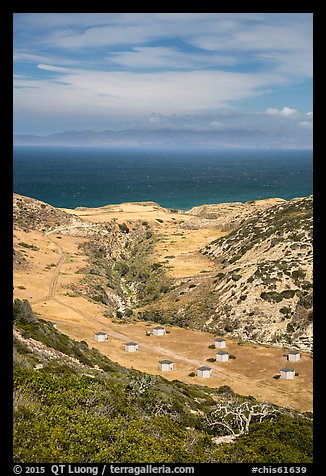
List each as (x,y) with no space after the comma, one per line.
(258,281)
(263,290)
(266,291)
(31,214)
(73,404)
(228,216)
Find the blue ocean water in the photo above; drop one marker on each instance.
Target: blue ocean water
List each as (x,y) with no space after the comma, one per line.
(72,176)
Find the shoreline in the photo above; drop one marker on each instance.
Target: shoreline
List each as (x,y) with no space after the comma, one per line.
(160,206)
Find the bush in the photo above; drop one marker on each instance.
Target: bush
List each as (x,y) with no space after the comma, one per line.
(298,274)
(286,439)
(156,266)
(290,327)
(234,258)
(211,359)
(232,357)
(164,289)
(288,294)
(122,269)
(123,228)
(285,310)
(225,389)
(63,414)
(272,296)
(26,245)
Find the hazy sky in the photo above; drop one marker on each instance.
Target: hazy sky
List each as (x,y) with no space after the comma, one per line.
(202,71)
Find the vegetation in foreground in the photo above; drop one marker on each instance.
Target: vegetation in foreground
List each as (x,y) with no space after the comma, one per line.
(73,404)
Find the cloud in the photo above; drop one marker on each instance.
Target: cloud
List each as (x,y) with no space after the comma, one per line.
(216,124)
(124,92)
(279,42)
(57,69)
(306,124)
(168,57)
(178,70)
(285,112)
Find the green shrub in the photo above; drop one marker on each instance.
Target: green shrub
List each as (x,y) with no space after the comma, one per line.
(26,245)
(271,296)
(63,413)
(123,227)
(298,274)
(156,266)
(283,440)
(288,293)
(285,310)
(290,327)
(122,269)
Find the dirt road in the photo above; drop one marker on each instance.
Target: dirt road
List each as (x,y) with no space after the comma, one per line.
(251,373)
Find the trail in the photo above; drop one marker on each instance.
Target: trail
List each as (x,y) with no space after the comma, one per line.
(55,277)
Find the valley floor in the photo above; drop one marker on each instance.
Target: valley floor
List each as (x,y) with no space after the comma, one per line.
(56,263)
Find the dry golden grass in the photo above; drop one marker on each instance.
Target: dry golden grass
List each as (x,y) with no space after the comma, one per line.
(179,242)
(251,373)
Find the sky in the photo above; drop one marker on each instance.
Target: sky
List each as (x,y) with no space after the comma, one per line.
(188,71)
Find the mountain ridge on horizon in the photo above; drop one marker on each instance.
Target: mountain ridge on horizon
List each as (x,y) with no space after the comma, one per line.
(228,138)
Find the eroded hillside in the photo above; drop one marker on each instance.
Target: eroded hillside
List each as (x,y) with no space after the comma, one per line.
(141,261)
(263,288)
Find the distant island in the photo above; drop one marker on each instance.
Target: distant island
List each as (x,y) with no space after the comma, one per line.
(159,138)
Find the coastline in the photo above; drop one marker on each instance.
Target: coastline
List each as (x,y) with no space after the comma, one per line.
(80,209)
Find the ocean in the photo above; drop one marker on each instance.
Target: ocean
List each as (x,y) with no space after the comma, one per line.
(70,177)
